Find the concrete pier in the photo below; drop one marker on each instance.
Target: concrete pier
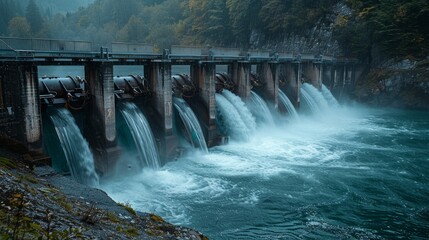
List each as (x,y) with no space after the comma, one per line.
(102,117)
(159,75)
(327,75)
(21,116)
(290,73)
(203,75)
(269,72)
(240,74)
(312,73)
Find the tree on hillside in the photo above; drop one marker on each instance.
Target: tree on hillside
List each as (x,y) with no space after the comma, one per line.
(209,21)
(274,16)
(10,9)
(397,28)
(121,11)
(19,27)
(133,31)
(244,15)
(34,18)
(163,37)
(400,27)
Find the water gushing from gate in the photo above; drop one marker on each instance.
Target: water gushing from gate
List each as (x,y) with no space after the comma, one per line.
(79,158)
(329,97)
(229,121)
(288,105)
(316,95)
(309,101)
(260,109)
(241,108)
(141,134)
(193,128)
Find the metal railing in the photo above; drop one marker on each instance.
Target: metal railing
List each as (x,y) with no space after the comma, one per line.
(40,44)
(11,47)
(183,52)
(136,48)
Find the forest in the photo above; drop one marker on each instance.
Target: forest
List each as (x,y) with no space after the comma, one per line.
(396,28)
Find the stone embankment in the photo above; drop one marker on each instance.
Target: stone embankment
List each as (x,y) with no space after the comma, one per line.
(403,84)
(37,203)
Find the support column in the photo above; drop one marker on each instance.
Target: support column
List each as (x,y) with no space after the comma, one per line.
(159,75)
(102,117)
(31,106)
(24,124)
(204,75)
(241,76)
(336,78)
(312,73)
(327,75)
(270,73)
(2,103)
(293,74)
(344,79)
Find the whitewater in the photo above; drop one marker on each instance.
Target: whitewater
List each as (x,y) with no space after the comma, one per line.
(348,172)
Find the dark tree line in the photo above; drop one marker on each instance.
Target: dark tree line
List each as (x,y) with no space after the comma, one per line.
(395,27)
(17,21)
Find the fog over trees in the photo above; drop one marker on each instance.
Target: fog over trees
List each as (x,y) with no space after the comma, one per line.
(396,27)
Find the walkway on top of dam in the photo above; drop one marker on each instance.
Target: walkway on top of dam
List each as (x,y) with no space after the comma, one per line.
(70,52)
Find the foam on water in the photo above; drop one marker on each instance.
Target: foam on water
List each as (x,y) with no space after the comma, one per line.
(161,191)
(330,176)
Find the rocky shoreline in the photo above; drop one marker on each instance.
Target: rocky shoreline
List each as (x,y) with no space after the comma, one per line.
(399,84)
(37,203)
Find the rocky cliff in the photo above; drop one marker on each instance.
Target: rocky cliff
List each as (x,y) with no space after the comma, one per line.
(402,84)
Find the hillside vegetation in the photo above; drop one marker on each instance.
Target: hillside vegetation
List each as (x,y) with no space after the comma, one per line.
(392,28)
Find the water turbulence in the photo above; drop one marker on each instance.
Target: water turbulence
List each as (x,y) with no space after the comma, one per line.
(79,158)
(315,94)
(309,102)
(329,97)
(241,108)
(193,128)
(357,174)
(141,134)
(260,109)
(229,120)
(288,105)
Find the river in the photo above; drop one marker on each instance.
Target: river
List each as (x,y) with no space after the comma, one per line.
(347,173)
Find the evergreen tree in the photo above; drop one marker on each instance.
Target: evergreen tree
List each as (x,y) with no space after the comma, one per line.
(244,15)
(133,31)
(34,18)
(209,21)
(9,10)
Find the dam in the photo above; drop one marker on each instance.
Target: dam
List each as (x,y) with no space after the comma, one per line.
(168,110)
(258,142)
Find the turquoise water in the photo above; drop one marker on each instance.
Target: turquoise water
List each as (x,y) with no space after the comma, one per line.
(349,173)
